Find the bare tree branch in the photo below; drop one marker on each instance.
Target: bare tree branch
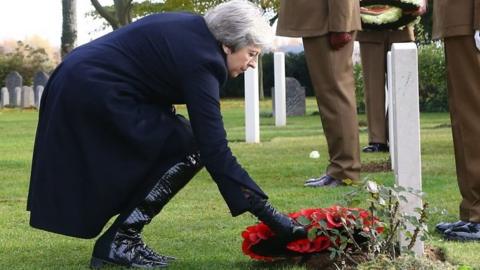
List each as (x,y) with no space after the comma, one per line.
(105,14)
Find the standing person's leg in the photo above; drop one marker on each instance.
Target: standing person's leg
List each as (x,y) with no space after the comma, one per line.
(373,55)
(463,68)
(331,72)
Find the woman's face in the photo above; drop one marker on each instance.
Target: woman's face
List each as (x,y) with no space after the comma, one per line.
(240,60)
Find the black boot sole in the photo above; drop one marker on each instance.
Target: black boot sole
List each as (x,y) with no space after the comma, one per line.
(96,263)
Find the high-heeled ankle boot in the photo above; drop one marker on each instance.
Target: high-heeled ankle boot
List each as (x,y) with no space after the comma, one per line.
(122,244)
(283,226)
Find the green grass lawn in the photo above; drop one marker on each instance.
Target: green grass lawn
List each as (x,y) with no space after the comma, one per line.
(196,226)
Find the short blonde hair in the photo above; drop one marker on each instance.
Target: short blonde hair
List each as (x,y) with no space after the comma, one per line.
(239,23)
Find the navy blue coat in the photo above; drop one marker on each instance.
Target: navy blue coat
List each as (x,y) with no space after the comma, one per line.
(106,131)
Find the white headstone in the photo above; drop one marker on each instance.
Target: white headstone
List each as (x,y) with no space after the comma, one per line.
(38,93)
(28,99)
(391,135)
(4,98)
(280,96)
(252,107)
(17,97)
(406,129)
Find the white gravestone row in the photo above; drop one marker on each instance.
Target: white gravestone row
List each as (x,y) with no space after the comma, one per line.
(17,95)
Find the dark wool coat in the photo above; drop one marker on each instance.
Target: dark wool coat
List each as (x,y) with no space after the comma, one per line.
(106,129)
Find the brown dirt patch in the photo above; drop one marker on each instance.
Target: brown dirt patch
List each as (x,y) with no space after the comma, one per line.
(435,254)
(322,260)
(377,166)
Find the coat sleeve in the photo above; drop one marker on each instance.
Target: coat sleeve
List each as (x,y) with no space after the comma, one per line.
(340,15)
(476,15)
(202,95)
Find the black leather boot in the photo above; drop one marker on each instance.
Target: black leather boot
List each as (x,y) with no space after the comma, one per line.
(283,226)
(122,244)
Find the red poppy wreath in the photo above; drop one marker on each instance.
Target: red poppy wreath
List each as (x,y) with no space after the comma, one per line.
(388,14)
(324,225)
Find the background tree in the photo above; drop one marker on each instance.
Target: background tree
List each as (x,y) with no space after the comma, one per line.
(26,60)
(69,26)
(117,15)
(122,12)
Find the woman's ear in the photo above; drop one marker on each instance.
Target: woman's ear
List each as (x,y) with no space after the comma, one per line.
(226,49)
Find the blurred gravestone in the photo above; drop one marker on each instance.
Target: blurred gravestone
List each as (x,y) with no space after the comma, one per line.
(4,98)
(27,100)
(13,80)
(38,93)
(295,97)
(40,79)
(17,97)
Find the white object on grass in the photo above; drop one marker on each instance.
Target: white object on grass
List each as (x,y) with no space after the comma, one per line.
(314,154)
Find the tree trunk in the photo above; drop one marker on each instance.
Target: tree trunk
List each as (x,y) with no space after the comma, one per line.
(69,26)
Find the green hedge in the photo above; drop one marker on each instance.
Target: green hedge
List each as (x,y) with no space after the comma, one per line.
(432,78)
(433,86)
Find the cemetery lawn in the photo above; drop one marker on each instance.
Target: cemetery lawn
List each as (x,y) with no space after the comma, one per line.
(196,226)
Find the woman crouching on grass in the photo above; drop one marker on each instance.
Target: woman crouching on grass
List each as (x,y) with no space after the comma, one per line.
(109,141)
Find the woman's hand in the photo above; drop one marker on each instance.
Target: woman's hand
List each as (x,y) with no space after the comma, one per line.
(421,10)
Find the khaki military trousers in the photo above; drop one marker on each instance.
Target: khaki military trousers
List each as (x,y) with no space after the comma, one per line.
(463,69)
(331,73)
(374,47)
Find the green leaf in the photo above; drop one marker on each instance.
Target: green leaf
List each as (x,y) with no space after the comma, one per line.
(347,181)
(304,221)
(312,234)
(323,224)
(332,254)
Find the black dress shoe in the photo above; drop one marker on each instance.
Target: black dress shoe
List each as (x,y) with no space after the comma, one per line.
(468,232)
(375,147)
(443,226)
(324,181)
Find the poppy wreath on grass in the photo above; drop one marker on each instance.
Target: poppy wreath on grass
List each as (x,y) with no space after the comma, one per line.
(260,243)
(388,14)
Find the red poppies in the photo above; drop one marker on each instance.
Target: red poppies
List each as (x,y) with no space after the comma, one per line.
(321,220)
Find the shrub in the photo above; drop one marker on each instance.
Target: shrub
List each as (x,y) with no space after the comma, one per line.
(433,95)
(26,60)
(432,73)
(384,204)
(359,88)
